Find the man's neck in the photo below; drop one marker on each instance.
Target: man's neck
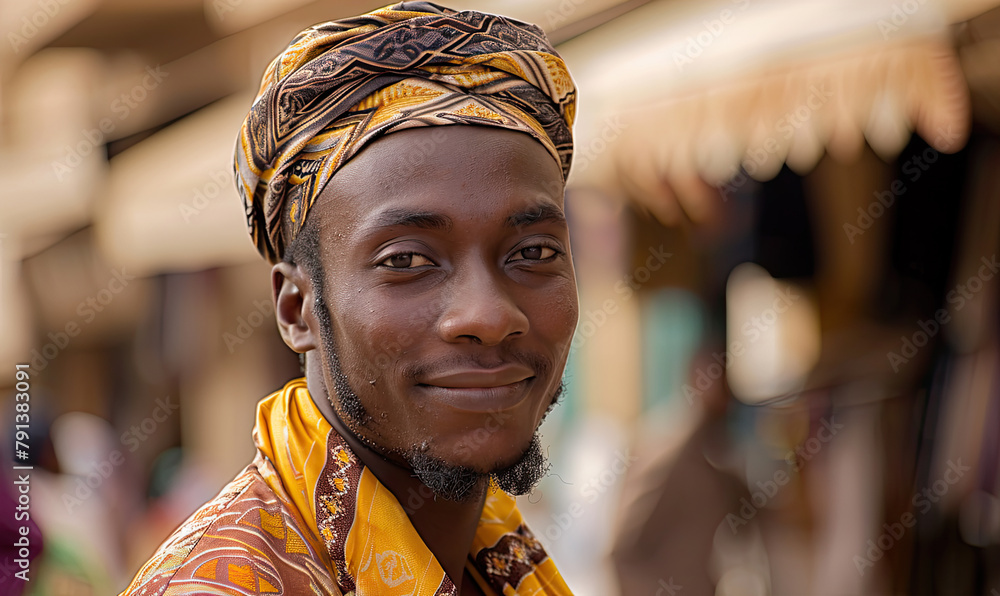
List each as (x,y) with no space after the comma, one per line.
(446,527)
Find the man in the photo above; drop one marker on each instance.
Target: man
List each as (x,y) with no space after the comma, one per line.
(403,171)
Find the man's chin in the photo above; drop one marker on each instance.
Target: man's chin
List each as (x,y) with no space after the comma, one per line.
(522,477)
(461,483)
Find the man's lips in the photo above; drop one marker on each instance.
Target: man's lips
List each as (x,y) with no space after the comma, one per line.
(480,377)
(479,390)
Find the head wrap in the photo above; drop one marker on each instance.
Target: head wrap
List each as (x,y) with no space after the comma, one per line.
(343,84)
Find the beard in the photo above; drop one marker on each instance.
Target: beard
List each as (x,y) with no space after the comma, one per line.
(447,481)
(462,484)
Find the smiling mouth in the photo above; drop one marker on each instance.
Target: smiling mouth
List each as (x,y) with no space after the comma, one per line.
(480,390)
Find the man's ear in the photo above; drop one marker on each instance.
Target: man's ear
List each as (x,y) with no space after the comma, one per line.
(292,292)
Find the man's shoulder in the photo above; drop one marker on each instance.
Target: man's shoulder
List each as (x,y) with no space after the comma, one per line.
(247,540)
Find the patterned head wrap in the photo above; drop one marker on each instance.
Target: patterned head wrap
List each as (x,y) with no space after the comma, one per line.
(343,84)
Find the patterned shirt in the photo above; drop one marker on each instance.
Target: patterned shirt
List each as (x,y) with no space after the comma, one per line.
(307,517)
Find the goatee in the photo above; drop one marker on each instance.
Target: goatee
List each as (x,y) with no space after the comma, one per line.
(462,484)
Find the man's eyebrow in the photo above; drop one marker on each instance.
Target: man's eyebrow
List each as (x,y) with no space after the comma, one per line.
(539,214)
(416,219)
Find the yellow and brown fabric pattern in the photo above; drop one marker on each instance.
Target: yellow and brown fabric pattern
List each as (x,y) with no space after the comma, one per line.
(343,84)
(306,517)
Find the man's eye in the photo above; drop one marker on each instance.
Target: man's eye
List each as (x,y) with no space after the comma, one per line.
(534,253)
(406,260)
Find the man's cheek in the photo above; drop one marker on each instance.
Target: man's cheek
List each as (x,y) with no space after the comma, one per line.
(562,325)
(375,350)
(556,311)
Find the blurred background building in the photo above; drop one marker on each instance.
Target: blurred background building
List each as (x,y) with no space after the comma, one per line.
(785,217)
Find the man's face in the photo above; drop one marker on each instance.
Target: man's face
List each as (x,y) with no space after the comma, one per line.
(450,293)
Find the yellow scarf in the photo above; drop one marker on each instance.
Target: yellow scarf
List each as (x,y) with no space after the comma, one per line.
(369,538)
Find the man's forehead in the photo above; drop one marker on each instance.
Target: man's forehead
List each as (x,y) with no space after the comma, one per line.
(464,164)
(428,151)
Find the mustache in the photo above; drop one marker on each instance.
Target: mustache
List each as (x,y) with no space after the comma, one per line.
(538,363)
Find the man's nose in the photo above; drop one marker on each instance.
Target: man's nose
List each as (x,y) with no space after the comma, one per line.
(481,309)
